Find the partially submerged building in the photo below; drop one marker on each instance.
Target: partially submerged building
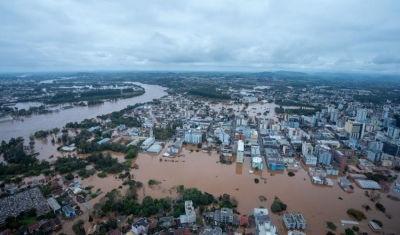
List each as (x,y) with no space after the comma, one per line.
(294,221)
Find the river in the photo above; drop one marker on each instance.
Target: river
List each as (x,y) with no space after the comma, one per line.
(35,123)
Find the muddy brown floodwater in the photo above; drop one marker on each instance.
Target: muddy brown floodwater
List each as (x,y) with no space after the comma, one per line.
(318,204)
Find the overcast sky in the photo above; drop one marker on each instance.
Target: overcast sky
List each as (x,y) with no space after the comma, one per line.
(229,35)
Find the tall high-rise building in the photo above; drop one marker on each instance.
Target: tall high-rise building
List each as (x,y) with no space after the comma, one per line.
(193,136)
(334,115)
(361,115)
(323,154)
(189,212)
(355,129)
(240,152)
(393,132)
(385,113)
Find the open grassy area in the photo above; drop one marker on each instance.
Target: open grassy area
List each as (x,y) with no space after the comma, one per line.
(25,221)
(352,160)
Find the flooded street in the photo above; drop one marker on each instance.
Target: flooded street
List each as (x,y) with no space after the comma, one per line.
(35,123)
(318,204)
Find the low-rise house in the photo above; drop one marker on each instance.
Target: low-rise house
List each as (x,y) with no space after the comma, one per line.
(56,224)
(68,211)
(91,129)
(33,228)
(105,140)
(345,184)
(121,127)
(211,231)
(166,221)
(155,149)
(54,205)
(140,226)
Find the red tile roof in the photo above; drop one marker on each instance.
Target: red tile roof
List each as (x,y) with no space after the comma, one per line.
(244,220)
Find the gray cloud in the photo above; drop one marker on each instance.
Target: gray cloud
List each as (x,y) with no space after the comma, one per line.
(185,34)
(386,59)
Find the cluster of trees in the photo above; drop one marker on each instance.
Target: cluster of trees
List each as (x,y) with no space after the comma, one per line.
(11,170)
(25,218)
(63,97)
(278,205)
(279,109)
(225,200)
(93,95)
(359,215)
(69,164)
(380,207)
(32,110)
(209,93)
(117,118)
(128,204)
(300,111)
(13,152)
(41,134)
(106,163)
(86,123)
(380,177)
(168,132)
(91,147)
(102,93)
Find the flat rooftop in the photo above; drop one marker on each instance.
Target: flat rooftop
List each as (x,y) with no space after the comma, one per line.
(367,184)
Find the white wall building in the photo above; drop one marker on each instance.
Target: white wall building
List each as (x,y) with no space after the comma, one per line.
(189,211)
(240,152)
(393,132)
(310,160)
(361,115)
(307,149)
(193,137)
(263,222)
(147,143)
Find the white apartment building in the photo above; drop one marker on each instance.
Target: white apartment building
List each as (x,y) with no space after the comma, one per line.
(240,152)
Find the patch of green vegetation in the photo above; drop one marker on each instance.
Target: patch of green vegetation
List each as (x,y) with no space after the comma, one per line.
(291,174)
(106,163)
(278,205)
(380,207)
(102,175)
(359,215)
(153,182)
(331,225)
(352,160)
(77,227)
(256,180)
(349,231)
(209,93)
